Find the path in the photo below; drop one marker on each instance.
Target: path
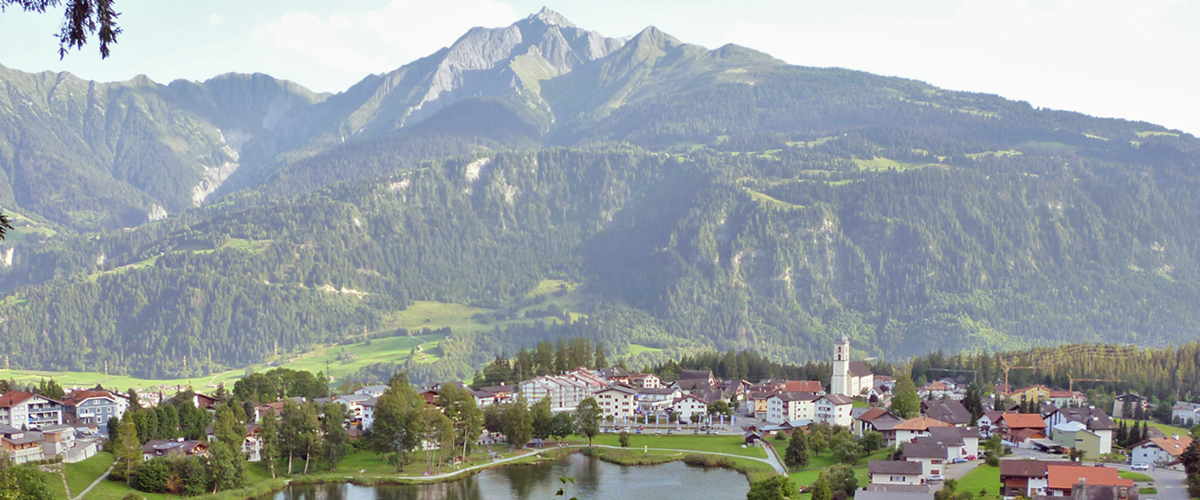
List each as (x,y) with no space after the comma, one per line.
(97,481)
(771,459)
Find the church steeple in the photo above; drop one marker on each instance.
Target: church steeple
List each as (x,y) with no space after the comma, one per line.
(839,381)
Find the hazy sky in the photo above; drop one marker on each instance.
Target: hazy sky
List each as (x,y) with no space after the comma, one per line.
(1128,59)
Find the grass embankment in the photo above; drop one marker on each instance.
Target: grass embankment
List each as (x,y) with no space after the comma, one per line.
(1137,477)
(825,460)
(983,482)
(81,475)
(687,442)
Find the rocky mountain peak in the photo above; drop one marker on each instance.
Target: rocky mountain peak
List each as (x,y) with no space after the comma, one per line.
(552,18)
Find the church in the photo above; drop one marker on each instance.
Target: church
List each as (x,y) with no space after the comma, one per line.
(850,378)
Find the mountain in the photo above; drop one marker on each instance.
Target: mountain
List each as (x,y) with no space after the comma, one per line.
(663,197)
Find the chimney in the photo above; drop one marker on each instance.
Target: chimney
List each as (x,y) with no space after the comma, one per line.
(1175,437)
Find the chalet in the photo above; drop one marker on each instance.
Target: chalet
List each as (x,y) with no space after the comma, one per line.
(26,410)
(368,413)
(200,401)
(1034,393)
(500,393)
(615,374)
(693,379)
(94,407)
(1185,414)
(19,445)
(878,420)
(1063,478)
(1024,478)
(1094,421)
(949,411)
(895,472)
(645,381)
(961,442)
(166,447)
(1067,399)
(931,456)
(354,408)
(908,430)
(834,409)
(759,401)
(1159,451)
(989,423)
(251,445)
(653,400)
(937,389)
(618,401)
(1019,427)
(1131,402)
(785,406)
(733,390)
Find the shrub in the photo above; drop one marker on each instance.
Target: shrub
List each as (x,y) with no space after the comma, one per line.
(133,496)
(992,460)
(152,476)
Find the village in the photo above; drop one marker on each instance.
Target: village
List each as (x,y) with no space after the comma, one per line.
(1045,442)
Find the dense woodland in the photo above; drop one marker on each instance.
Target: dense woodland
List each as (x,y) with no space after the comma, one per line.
(714,215)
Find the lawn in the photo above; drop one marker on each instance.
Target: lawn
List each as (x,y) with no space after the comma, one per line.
(80,475)
(1137,477)
(823,461)
(1166,429)
(983,478)
(699,443)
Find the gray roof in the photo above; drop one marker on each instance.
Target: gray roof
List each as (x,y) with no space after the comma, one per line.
(924,450)
(892,495)
(898,488)
(26,438)
(894,467)
(948,411)
(859,369)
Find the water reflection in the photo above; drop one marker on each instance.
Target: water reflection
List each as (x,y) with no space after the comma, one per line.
(594,480)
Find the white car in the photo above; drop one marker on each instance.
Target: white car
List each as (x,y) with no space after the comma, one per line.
(1141,467)
(936,478)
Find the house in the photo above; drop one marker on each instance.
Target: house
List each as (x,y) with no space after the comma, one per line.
(1063,478)
(565,392)
(615,374)
(1125,405)
(813,386)
(834,409)
(752,438)
(1159,451)
(1024,478)
(989,422)
(251,445)
(200,401)
(692,379)
(26,410)
(1034,393)
(1095,421)
(94,407)
(645,381)
(1067,399)
(354,408)
(759,401)
(368,413)
(19,445)
(936,390)
(785,406)
(1083,491)
(618,402)
(500,393)
(1018,427)
(908,430)
(949,411)
(1077,436)
(165,447)
(931,456)
(875,491)
(732,390)
(653,400)
(895,472)
(689,408)
(962,442)
(849,378)
(1185,414)
(373,390)
(57,439)
(878,420)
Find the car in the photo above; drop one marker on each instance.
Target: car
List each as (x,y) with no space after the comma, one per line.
(957,460)
(971,457)
(1141,467)
(936,478)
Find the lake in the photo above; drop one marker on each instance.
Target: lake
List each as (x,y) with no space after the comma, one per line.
(594,480)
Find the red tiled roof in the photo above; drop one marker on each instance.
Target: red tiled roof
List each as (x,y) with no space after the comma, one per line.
(1063,477)
(1023,421)
(10,398)
(920,424)
(802,386)
(871,414)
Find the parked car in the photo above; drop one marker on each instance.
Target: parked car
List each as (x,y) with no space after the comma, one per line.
(1141,466)
(971,457)
(936,478)
(957,460)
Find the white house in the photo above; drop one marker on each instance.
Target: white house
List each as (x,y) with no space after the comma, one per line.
(368,413)
(932,457)
(688,406)
(834,409)
(645,381)
(1096,421)
(1159,451)
(653,400)
(354,408)
(373,390)
(25,410)
(565,392)
(895,472)
(618,402)
(1185,414)
(786,406)
(911,429)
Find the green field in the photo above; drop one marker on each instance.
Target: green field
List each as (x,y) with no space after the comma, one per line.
(1166,429)
(1151,133)
(881,163)
(823,461)
(767,200)
(690,442)
(983,478)
(1137,477)
(635,349)
(1010,152)
(81,475)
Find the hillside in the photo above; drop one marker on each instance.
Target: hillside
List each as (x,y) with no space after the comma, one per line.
(694,198)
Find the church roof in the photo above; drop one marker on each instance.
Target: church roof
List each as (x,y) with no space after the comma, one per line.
(859,369)
(842,338)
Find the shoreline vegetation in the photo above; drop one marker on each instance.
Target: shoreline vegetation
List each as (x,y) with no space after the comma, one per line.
(263,485)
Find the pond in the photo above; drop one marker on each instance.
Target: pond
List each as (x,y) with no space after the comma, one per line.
(594,480)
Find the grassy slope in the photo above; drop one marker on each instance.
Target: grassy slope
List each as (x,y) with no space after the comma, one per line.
(700,443)
(823,461)
(80,475)
(982,478)
(1166,429)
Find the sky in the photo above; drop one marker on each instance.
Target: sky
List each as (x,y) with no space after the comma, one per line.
(1124,59)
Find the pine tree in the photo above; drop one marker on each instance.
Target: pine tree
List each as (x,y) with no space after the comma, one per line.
(797,451)
(129,449)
